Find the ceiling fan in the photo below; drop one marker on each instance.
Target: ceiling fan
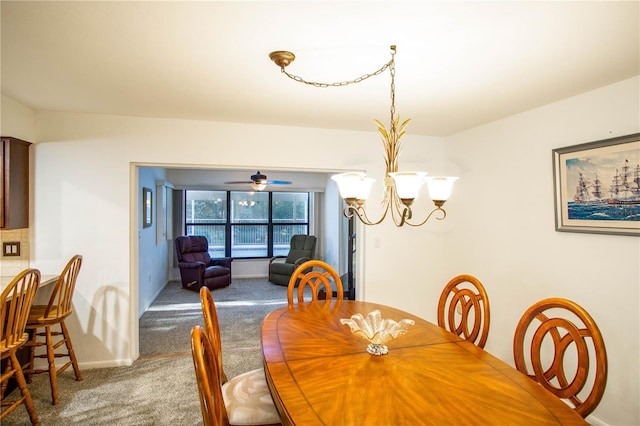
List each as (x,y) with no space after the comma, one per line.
(259,182)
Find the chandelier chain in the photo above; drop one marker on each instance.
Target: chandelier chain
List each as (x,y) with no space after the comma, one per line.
(346,82)
(336,84)
(392,71)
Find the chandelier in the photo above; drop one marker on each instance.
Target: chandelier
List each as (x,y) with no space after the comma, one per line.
(401,189)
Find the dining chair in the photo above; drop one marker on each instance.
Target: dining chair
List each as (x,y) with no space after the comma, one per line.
(206,367)
(562,324)
(212,327)
(15,303)
(247,397)
(463,309)
(317,275)
(46,317)
(247,402)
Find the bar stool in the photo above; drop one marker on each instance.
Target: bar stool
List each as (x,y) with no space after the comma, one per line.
(47,316)
(15,302)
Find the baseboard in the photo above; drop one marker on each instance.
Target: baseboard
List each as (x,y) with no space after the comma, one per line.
(255,276)
(234,276)
(594,421)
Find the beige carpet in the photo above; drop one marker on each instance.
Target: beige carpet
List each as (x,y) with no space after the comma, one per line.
(160,388)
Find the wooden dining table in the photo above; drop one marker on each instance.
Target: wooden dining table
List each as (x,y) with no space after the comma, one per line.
(319,373)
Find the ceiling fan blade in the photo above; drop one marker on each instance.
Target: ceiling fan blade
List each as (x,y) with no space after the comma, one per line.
(237,182)
(279,182)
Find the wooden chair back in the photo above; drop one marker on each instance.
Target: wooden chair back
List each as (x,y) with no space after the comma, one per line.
(59,305)
(214,412)
(564,325)
(212,327)
(15,304)
(317,275)
(464,310)
(16,301)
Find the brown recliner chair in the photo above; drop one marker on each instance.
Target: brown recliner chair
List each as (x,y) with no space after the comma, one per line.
(303,248)
(197,268)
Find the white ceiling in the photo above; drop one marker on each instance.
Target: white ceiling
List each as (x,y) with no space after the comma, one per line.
(459,63)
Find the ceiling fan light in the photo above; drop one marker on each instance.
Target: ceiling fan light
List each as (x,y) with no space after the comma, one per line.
(258,186)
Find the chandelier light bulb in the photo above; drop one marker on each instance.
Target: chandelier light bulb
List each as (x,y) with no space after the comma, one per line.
(440,187)
(408,184)
(349,184)
(365,188)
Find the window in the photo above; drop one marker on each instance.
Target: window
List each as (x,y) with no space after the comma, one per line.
(206,214)
(244,224)
(290,216)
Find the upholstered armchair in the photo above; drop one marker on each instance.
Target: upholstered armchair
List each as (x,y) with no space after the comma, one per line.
(303,248)
(197,268)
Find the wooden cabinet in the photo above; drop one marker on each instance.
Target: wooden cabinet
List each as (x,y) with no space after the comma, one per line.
(14,183)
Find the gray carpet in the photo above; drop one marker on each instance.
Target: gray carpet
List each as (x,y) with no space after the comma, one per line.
(160,388)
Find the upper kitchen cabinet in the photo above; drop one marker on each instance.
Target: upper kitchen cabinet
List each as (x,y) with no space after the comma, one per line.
(14,187)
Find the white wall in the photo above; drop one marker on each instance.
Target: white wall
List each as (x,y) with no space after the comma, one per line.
(334,233)
(503,231)
(153,259)
(17,120)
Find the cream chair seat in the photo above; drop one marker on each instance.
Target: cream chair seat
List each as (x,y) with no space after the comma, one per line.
(248,400)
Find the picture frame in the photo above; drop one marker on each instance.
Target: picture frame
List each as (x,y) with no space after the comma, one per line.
(597,186)
(147,207)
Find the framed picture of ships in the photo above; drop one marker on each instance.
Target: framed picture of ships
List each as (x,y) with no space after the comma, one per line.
(597,186)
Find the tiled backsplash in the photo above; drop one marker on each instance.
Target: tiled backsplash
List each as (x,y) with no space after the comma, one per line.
(12,265)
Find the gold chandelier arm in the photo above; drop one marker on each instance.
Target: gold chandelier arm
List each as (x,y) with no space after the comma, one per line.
(351,211)
(404,212)
(399,212)
(438,209)
(359,211)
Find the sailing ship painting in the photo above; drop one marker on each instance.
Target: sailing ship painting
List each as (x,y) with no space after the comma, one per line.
(607,186)
(625,187)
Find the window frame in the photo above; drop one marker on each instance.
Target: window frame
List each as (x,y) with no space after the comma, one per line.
(270,224)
